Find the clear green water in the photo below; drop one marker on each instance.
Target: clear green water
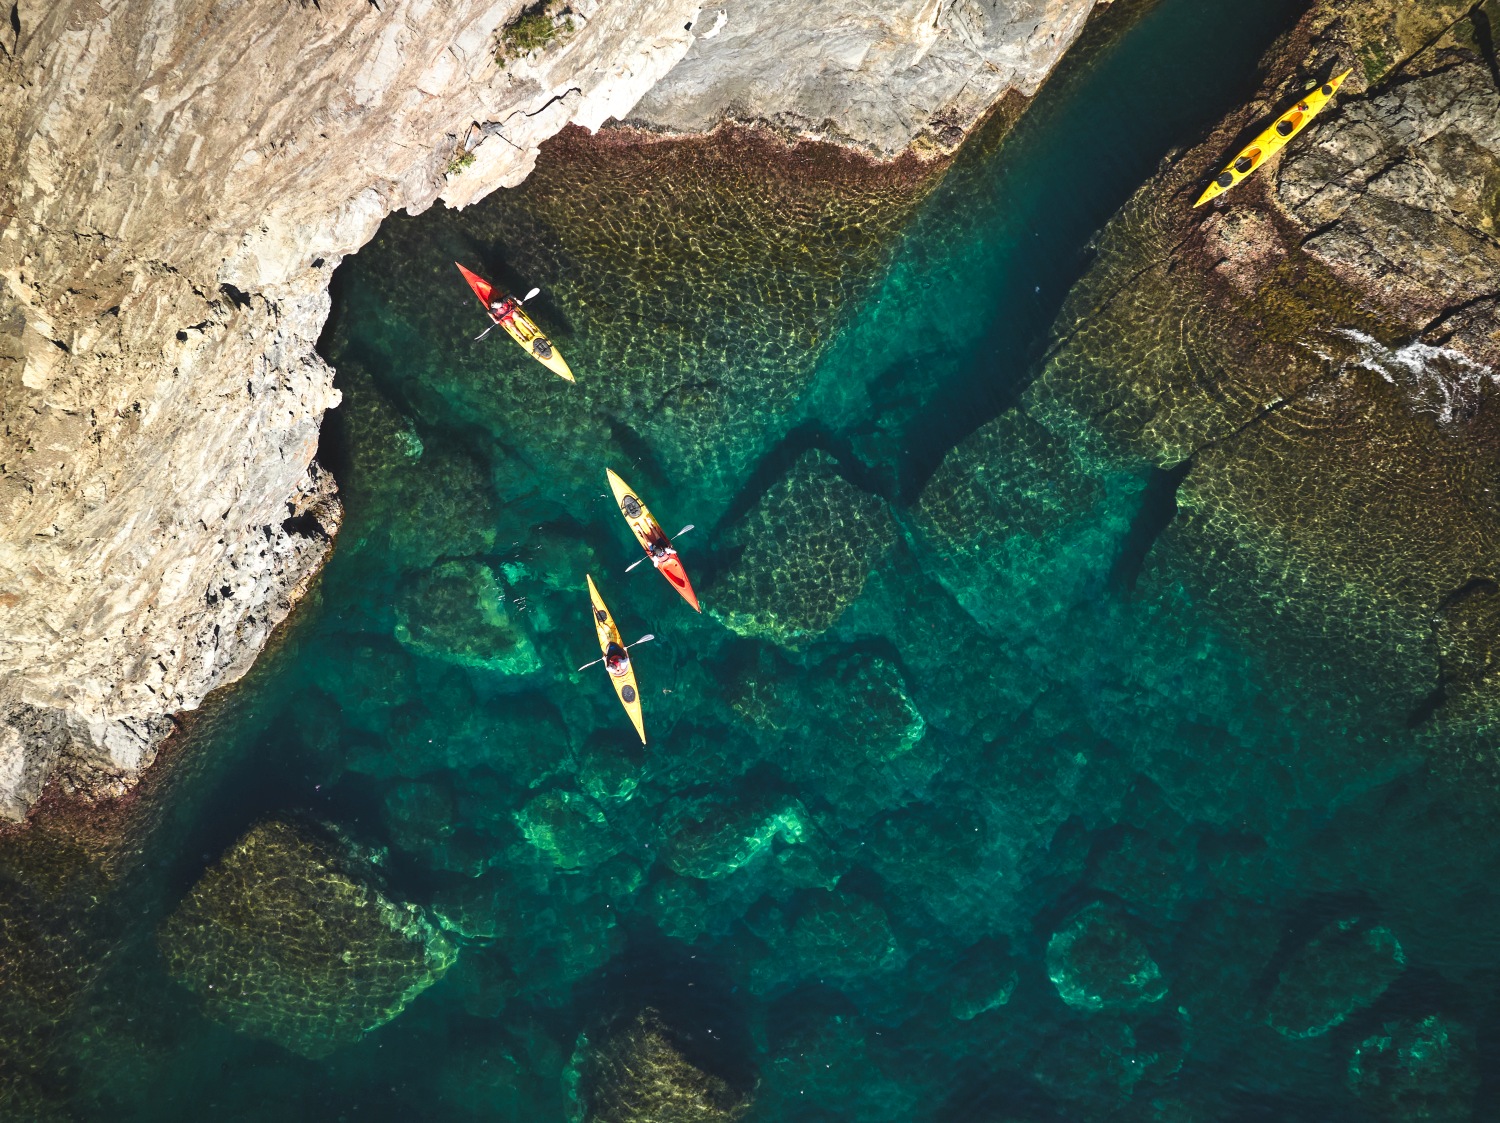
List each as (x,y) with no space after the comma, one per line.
(953,801)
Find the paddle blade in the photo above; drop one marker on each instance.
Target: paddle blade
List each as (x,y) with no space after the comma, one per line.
(529,295)
(633,564)
(684,530)
(647,638)
(484,333)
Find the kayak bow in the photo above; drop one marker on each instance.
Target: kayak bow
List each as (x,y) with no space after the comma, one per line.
(646,529)
(520,327)
(622,674)
(1273,140)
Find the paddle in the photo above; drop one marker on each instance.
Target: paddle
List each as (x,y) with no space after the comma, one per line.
(492,327)
(647,638)
(679,534)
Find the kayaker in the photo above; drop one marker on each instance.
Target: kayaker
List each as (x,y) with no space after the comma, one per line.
(616,661)
(659,551)
(502,309)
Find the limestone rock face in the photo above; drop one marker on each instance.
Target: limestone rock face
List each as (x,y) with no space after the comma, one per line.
(187,175)
(288,938)
(881,76)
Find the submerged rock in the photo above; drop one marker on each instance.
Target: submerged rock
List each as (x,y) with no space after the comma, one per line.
(1344,968)
(456,613)
(568,828)
(644,1070)
(805,551)
(1417,1070)
(289,938)
(710,841)
(1097,962)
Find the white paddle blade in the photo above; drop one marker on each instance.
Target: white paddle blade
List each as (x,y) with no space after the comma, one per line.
(484,333)
(529,295)
(684,530)
(633,564)
(647,638)
(586,666)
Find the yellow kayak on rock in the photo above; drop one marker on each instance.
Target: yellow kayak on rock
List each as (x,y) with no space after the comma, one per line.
(617,660)
(1274,139)
(508,314)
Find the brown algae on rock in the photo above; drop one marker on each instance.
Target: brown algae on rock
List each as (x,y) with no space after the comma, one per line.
(288,938)
(644,1069)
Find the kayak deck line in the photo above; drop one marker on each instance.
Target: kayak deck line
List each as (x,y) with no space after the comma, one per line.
(1273,139)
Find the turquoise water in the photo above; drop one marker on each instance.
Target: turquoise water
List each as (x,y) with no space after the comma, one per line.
(956,806)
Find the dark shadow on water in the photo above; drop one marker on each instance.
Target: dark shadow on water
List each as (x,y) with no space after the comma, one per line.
(1157,510)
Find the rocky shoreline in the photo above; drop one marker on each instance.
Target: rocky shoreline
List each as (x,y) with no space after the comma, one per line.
(186,180)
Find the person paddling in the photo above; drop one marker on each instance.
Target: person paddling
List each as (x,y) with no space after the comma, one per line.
(616,661)
(503,309)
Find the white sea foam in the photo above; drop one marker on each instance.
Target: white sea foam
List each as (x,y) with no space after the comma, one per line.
(1436,380)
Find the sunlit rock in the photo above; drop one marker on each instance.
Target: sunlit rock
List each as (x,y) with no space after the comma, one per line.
(645,1070)
(713,840)
(1097,962)
(457,613)
(805,551)
(288,938)
(568,828)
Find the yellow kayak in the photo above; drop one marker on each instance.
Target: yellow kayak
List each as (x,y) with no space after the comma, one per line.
(617,660)
(1274,139)
(648,533)
(518,325)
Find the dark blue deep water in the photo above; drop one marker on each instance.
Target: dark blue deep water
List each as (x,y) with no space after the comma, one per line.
(931,825)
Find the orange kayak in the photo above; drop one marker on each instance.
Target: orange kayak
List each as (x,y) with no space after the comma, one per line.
(518,325)
(648,532)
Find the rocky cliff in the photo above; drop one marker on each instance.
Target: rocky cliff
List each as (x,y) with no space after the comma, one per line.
(182,178)
(1316,359)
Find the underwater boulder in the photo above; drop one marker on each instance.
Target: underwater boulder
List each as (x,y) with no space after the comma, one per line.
(1417,1070)
(456,612)
(1345,967)
(864,709)
(478,908)
(843,934)
(710,840)
(1098,963)
(804,552)
(644,1070)
(568,828)
(983,979)
(418,814)
(288,937)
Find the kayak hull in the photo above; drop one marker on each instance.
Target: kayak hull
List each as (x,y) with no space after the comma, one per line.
(646,529)
(1277,136)
(520,327)
(625,685)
